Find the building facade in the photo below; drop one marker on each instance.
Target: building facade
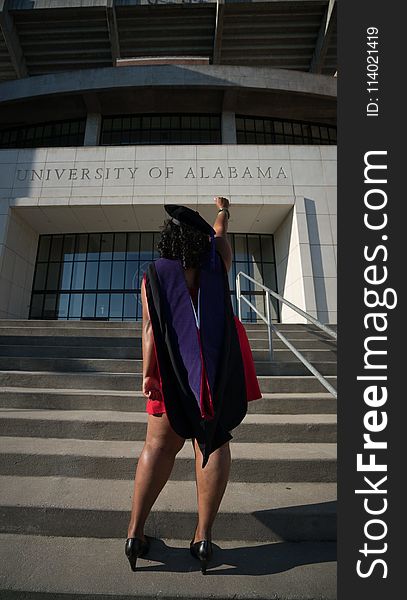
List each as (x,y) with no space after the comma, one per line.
(116,108)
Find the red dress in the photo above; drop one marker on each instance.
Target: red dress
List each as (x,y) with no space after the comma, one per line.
(154,407)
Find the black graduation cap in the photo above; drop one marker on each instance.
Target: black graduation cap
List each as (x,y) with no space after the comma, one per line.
(182,214)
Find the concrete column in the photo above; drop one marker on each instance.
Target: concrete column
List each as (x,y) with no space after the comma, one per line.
(92,130)
(18,246)
(228,127)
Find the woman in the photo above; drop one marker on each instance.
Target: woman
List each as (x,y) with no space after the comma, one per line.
(198,370)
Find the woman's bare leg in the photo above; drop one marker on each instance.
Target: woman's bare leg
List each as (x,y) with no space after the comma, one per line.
(211,485)
(153,470)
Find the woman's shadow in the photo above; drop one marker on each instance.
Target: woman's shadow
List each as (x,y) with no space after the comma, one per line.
(264,558)
(251,559)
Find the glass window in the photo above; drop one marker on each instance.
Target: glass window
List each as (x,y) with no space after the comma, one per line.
(133,246)
(62,306)
(44,247)
(68,248)
(56,247)
(53,276)
(78,275)
(44,134)
(94,246)
(102,305)
(49,306)
(91,275)
(258,130)
(40,276)
(75,306)
(110,289)
(130,311)
(254,247)
(131,275)
(162,129)
(106,246)
(89,304)
(81,246)
(105,269)
(66,276)
(267,248)
(240,247)
(116,305)
(147,240)
(269,275)
(118,275)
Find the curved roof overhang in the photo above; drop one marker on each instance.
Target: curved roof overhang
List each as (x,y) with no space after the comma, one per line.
(222,77)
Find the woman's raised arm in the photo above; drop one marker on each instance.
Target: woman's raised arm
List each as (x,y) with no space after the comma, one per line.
(221,228)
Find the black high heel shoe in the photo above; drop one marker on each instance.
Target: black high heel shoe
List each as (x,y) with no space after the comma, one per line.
(203,551)
(135,547)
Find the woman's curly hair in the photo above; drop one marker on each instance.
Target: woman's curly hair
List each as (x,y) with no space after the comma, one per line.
(183,242)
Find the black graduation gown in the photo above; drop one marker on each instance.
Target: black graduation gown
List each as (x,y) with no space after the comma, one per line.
(178,351)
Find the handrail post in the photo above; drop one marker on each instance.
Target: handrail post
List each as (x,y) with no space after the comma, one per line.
(239,301)
(268,314)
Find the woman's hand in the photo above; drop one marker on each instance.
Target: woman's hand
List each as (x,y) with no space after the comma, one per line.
(151,388)
(221,202)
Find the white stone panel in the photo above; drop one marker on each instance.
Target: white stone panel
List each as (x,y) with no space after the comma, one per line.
(118,190)
(209,152)
(323,261)
(332,199)
(334,224)
(9,259)
(274,152)
(59,154)
(4,294)
(306,172)
(326,292)
(309,294)
(33,155)
(7,175)
(9,156)
(328,152)
(15,305)
(24,201)
(242,151)
(119,153)
(304,152)
(144,191)
(314,199)
(90,154)
(330,172)
(178,153)
(319,229)
(306,260)
(90,195)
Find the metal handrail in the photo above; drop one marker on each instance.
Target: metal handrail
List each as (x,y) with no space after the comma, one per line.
(271,327)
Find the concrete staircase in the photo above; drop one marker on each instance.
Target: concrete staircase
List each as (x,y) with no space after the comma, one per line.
(73,423)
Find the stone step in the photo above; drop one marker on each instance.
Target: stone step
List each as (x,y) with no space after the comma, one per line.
(263,512)
(103,344)
(104,459)
(310,343)
(130,381)
(123,337)
(72,399)
(42,323)
(133,352)
(115,366)
(98,569)
(111,425)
